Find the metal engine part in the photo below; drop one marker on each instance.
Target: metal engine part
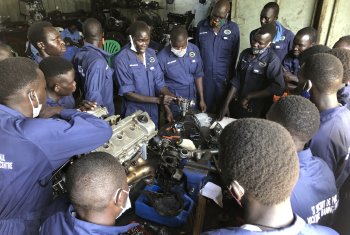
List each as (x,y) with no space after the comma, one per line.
(185,105)
(130,135)
(99,111)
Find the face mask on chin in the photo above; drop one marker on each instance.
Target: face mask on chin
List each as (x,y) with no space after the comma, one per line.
(215,24)
(36,110)
(257,51)
(179,53)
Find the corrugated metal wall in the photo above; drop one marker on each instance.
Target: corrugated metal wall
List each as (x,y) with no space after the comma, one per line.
(11,7)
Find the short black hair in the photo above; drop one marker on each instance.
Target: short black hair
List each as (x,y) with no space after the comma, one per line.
(92,29)
(54,66)
(345,39)
(267,28)
(309,31)
(36,32)
(312,51)
(137,27)
(344,56)
(274,6)
(93,180)
(15,74)
(325,71)
(177,32)
(298,115)
(260,155)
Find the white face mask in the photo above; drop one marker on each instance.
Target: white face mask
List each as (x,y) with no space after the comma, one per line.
(127,203)
(36,110)
(179,53)
(133,48)
(257,51)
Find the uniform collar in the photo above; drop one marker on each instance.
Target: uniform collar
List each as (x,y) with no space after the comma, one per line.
(279,32)
(262,55)
(83,227)
(330,113)
(12,112)
(304,155)
(91,46)
(133,57)
(295,228)
(207,24)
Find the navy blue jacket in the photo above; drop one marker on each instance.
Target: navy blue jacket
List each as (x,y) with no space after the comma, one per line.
(133,76)
(343,96)
(284,45)
(180,73)
(67,102)
(299,227)
(64,221)
(315,195)
(96,77)
(264,72)
(291,63)
(219,54)
(30,150)
(332,142)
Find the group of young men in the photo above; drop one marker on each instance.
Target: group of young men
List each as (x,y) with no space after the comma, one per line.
(285,160)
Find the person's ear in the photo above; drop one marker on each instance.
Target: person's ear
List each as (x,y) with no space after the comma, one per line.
(32,95)
(237,190)
(118,198)
(57,88)
(41,45)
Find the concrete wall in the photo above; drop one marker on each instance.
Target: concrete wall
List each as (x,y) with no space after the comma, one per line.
(247,15)
(334,21)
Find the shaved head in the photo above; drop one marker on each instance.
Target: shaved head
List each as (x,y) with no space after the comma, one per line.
(137,28)
(222,5)
(178,33)
(92,29)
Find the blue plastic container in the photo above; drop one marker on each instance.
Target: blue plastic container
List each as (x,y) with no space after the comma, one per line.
(145,211)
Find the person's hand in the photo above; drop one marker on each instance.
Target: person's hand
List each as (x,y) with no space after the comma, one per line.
(169,115)
(202,106)
(87,105)
(166,99)
(48,111)
(245,102)
(225,111)
(291,80)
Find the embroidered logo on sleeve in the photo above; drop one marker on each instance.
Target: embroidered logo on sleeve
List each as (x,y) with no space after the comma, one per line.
(4,164)
(152,60)
(192,54)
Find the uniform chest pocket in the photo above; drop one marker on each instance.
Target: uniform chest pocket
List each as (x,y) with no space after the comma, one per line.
(193,65)
(258,71)
(172,67)
(203,39)
(138,73)
(279,45)
(244,64)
